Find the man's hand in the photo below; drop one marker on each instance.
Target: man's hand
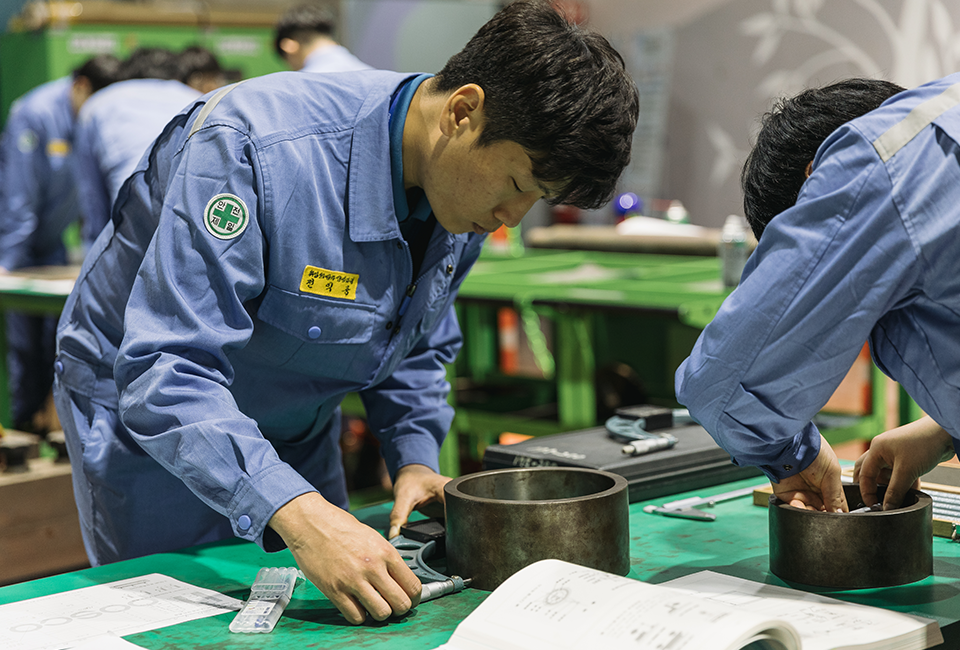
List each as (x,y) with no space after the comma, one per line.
(353,565)
(817,487)
(415,486)
(898,458)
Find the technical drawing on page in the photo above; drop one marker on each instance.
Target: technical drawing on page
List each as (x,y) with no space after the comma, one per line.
(656,630)
(123,607)
(557,607)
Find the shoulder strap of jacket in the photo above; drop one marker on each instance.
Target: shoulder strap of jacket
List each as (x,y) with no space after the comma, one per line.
(209,106)
(898,135)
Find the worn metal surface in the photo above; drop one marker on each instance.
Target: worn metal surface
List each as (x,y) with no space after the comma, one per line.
(502,520)
(853,550)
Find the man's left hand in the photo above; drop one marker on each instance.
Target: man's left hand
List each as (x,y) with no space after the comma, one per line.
(818,486)
(414,487)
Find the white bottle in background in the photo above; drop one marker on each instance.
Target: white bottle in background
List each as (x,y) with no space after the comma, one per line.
(677,213)
(733,249)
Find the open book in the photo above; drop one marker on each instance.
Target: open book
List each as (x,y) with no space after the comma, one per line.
(555,605)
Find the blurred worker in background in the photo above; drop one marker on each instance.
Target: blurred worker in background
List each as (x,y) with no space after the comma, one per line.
(858,230)
(304,39)
(200,69)
(297,237)
(117,124)
(38,201)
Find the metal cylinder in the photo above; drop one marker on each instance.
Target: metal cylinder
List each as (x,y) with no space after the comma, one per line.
(503,520)
(853,550)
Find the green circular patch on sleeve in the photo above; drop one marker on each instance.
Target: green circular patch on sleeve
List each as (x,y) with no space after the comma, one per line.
(226,216)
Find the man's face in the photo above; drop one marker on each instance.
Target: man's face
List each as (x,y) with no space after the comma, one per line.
(474,188)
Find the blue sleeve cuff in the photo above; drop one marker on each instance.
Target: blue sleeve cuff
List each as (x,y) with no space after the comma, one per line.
(258,500)
(411,449)
(796,456)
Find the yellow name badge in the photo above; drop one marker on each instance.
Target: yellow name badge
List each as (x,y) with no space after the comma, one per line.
(58,148)
(335,284)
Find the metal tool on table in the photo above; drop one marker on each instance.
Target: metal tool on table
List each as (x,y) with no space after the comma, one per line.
(687,508)
(636,427)
(417,543)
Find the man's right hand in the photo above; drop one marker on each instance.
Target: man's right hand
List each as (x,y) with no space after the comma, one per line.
(358,570)
(898,458)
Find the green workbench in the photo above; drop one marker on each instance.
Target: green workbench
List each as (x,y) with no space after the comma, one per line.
(661,549)
(37,292)
(640,310)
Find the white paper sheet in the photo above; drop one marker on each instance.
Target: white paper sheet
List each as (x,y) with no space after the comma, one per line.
(120,608)
(822,622)
(106,642)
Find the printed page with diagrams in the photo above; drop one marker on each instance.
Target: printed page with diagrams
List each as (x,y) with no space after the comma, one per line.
(555,605)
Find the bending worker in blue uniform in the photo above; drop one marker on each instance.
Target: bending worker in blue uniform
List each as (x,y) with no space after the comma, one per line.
(866,253)
(303,38)
(38,201)
(302,237)
(117,125)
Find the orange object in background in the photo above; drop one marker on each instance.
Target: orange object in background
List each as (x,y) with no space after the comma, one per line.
(854,395)
(508,333)
(507,438)
(575,12)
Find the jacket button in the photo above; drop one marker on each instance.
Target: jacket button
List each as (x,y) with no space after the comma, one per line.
(787,468)
(244,523)
(449,269)
(389,324)
(58,366)
(314,332)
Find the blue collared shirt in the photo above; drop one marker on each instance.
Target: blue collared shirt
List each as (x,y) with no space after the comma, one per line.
(869,252)
(334,58)
(38,197)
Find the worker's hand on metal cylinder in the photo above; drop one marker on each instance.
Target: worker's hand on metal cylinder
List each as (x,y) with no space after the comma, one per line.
(359,571)
(818,486)
(414,487)
(898,458)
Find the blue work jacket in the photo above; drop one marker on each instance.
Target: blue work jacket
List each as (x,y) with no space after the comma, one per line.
(114,129)
(870,251)
(277,282)
(38,197)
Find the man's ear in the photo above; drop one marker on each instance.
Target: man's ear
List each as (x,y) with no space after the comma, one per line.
(806,172)
(289,46)
(463,109)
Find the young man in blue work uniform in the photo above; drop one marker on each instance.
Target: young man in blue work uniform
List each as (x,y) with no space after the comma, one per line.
(309,234)
(38,201)
(868,252)
(117,125)
(304,39)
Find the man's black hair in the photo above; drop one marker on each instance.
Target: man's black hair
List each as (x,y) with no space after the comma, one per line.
(198,59)
(559,91)
(101,71)
(789,137)
(151,63)
(303,23)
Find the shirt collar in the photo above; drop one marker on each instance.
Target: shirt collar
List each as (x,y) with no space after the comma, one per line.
(398,117)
